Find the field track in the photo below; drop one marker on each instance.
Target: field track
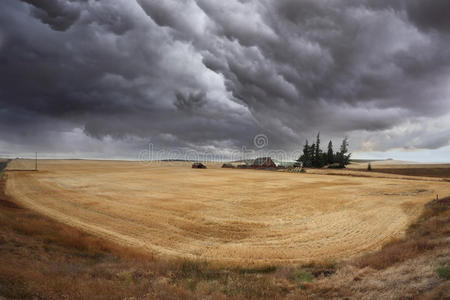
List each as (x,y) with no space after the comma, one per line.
(226,215)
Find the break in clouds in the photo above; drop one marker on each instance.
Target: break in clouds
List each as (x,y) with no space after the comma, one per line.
(85,76)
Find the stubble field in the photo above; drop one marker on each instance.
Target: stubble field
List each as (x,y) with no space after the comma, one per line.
(225,215)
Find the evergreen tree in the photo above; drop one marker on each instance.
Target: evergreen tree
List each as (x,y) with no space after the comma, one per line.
(343,157)
(312,152)
(313,156)
(317,155)
(324,159)
(330,154)
(305,158)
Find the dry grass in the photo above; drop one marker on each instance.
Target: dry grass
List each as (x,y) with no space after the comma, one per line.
(238,217)
(421,237)
(403,269)
(44,259)
(41,258)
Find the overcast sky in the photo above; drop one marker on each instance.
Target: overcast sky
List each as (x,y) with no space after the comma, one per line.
(103,78)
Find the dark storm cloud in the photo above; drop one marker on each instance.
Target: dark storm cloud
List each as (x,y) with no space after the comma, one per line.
(215,73)
(58,14)
(190,102)
(430,15)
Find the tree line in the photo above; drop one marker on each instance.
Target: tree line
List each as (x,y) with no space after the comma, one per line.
(314,157)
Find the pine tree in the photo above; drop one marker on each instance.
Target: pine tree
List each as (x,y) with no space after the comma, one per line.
(317,152)
(318,160)
(324,159)
(305,158)
(330,154)
(312,152)
(313,156)
(343,158)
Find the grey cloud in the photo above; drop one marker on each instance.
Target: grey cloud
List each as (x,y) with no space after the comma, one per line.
(425,15)
(58,14)
(430,14)
(198,73)
(190,102)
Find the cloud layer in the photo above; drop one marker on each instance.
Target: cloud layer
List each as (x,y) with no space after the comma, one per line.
(203,73)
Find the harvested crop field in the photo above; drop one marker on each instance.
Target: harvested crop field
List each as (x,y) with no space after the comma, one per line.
(409,169)
(226,215)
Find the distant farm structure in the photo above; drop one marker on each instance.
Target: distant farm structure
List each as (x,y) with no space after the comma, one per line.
(227,165)
(198,165)
(266,163)
(263,163)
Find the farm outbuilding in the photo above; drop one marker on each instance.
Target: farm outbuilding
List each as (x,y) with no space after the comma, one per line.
(287,164)
(264,162)
(198,166)
(248,162)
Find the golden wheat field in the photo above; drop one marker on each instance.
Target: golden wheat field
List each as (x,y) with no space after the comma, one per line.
(231,216)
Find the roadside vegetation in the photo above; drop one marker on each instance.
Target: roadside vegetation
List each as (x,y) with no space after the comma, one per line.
(43,259)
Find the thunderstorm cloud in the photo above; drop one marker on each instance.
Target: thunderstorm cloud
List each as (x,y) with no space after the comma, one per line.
(79,76)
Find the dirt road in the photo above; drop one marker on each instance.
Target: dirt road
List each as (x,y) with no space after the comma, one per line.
(227,215)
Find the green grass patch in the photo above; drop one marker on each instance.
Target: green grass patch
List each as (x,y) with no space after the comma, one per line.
(443,272)
(304,275)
